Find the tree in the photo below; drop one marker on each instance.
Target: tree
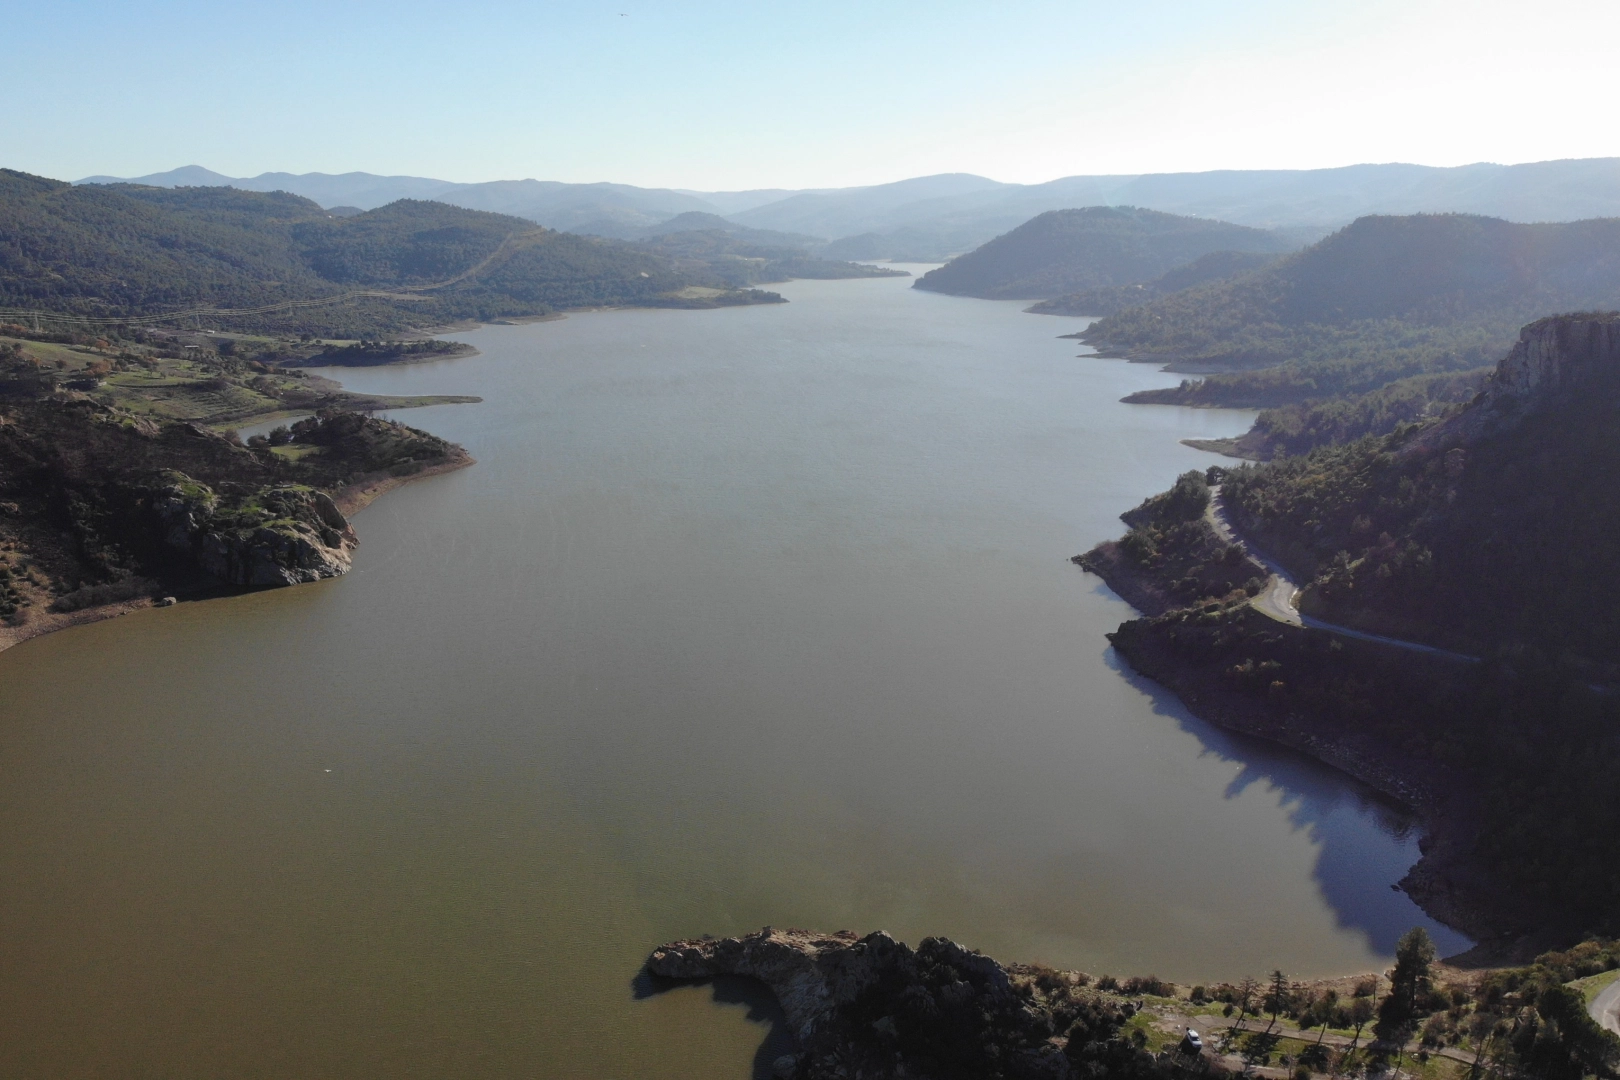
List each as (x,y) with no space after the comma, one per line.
(1246,991)
(1409,984)
(1563,1042)
(1277,995)
(1414,961)
(1482,1027)
(1361,1011)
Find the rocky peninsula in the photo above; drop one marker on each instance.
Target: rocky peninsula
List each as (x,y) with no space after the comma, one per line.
(122,485)
(862,1008)
(868,1007)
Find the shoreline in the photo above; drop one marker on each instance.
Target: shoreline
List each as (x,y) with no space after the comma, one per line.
(943,1004)
(52,621)
(353,498)
(350,499)
(1163,645)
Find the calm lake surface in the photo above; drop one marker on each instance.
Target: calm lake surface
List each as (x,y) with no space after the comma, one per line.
(745,617)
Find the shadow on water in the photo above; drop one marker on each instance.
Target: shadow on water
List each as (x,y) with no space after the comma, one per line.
(1365,841)
(763,1008)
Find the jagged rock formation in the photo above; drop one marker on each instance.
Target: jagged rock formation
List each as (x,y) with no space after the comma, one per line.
(107,505)
(1553,358)
(873,1007)
(283,536)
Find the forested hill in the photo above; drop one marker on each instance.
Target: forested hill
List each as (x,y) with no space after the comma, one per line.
(1494,532)
(696,221)
(1216,266)
(127,250)
(1382,299)
(707,246)
(1497,527)
(1067,251)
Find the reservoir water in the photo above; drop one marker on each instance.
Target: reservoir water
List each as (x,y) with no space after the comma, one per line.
(745,617)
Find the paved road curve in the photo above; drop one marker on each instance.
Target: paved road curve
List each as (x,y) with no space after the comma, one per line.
(1605,1008)
(1280,598)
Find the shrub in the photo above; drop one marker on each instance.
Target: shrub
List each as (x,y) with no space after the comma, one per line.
(1150,984)
(107,592)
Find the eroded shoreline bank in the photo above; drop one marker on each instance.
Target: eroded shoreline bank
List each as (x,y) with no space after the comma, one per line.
(1202,637)
(350,499)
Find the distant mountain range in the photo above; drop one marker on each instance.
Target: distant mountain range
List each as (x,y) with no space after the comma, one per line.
(616,210)
(933,217)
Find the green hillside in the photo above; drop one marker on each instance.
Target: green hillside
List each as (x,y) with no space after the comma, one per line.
(128,251)
(1302,426)
(1067,251)
(1216,266)
(1383,299)
(1493,532)
(1494,528)
(716,252)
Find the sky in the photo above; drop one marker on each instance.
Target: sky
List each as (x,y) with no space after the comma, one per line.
(730,96)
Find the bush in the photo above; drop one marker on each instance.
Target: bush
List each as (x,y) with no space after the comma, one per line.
(108,592)
(1188,498)
(1150,984)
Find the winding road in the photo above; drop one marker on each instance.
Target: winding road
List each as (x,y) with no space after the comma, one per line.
(1280,598)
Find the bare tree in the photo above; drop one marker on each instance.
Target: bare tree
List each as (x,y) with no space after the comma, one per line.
(1361,1011)
(1246,991)
(1482,1027)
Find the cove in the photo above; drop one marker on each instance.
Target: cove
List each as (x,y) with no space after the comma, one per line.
(745,617)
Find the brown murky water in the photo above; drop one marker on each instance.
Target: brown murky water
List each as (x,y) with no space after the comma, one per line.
(745,617)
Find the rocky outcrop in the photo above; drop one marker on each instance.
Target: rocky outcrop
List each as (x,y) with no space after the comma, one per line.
(1554,357)
(279,536)
(1556,352)
(873,1007)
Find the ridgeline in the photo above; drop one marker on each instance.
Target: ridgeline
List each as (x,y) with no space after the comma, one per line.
(1065,251)
(276,263)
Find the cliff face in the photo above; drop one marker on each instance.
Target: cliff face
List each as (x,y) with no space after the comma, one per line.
(283,536)
(1553,359)
(1557,352)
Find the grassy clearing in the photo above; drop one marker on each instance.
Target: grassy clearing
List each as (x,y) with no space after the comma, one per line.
(1593,985)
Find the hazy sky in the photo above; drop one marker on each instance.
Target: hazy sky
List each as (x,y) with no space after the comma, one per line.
(720,95)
